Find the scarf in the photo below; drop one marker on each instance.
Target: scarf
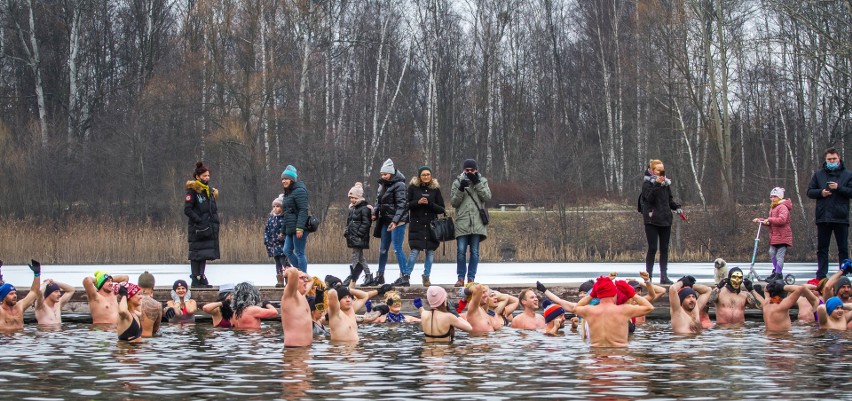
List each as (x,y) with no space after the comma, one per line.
(203,186)
(776,203)
(395,318)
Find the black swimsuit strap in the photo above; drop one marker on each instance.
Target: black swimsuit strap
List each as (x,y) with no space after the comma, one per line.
(449,332)
(133,331)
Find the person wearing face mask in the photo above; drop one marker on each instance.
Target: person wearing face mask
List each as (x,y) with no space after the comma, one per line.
(731,300)
(831,186)
(203,225)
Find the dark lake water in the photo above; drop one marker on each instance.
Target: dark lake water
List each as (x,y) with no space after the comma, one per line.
(393,362)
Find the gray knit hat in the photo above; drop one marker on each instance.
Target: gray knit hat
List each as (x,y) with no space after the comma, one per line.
(387,167)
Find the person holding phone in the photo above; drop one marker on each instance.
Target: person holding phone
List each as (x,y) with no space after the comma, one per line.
(425,203)
(831,187)
(657,205)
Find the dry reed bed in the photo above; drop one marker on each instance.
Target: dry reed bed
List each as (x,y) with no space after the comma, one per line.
(536,236)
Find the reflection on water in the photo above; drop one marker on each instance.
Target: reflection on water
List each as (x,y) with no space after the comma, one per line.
(394,362)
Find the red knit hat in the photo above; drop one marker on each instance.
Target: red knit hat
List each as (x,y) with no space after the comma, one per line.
(604,288)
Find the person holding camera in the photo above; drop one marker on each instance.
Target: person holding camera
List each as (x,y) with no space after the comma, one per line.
(831,186)
(657,204)
(468,195)
(203,224)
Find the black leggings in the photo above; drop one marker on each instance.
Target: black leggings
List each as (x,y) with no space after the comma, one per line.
(198,267)
(653,234)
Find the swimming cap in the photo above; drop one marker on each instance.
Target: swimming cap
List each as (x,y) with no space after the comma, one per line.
(436,296)
(5,289)
(840,283)
(552,312)
(100,278)
(685,292)
(833,303)
(50,288)
(604,288)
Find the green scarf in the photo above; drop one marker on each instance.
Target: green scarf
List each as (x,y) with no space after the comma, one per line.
(204,187)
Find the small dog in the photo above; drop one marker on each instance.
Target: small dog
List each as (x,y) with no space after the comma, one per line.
(721,269)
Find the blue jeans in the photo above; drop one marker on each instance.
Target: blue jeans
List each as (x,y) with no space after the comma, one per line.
(412,259)
(462,243)
(295,250)
(397,236)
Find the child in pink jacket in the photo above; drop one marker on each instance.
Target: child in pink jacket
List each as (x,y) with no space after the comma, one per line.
(780,235)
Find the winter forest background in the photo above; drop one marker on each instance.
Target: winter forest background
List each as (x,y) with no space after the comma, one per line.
(107,104)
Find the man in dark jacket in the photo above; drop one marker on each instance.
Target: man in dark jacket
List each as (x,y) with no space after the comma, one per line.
(831,186)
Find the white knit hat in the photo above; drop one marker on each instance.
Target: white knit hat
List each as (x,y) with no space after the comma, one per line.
(777,191)
(387,167)
(357,191)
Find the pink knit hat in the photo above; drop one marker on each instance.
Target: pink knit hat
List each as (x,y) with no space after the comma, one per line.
(357,191)
(436,296)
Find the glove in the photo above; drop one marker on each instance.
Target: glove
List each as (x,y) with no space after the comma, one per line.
(418,303)
(473,177)
(846,266)
(461,305)
(465,182)
(169,314)
(748,285)
(385,288)
(369,305)
(35,266)
(332,282)
(122,291)
(264,304)
(625,288)
(382,309)
(539,286)
(688,281)
(722,283)
(759,288)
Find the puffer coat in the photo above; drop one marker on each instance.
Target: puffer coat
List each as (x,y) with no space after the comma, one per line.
(203,224)
(295,208)
(779,223)
(420,216)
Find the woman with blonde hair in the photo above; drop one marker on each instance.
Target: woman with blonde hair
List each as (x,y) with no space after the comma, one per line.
(656,204)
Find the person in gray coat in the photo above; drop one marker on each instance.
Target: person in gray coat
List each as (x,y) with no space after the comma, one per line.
(469,193)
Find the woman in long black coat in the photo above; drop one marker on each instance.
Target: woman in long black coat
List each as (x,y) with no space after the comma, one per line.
(425,203)
(203,225)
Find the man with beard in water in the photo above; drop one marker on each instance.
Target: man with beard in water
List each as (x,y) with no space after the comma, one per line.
(686,299)
(247,314)
(12,311)
(731,301)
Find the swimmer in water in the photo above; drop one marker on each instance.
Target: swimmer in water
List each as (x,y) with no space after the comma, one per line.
(296,322)
(221,309)
(529,319)
(686,299)
(776,308)
(731,300)
(53,297)
(128,323)
(835,314)
(394,315)
(12,310)
(152,310)
(438,324)
(103,305)
(181,308)
(342,304)
(554,319)
(248,308)
(609,322)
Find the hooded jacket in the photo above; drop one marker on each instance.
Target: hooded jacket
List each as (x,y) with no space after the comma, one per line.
(203,224)
(657,201)
(420,216)
(358,224)
(833,208)
(391,201)
(467,214)
(779,223)
(295,208)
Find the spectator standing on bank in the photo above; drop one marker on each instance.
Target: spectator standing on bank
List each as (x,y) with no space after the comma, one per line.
(831,186)
(469,193)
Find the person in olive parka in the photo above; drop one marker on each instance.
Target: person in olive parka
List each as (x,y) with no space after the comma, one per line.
(203,225)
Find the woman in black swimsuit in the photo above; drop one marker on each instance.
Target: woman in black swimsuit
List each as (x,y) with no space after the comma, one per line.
(129,325)
(438,324)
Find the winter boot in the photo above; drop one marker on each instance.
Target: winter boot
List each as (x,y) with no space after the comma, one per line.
(204,282)
(280,279)
(426,281)
(368,280)
(402,281)
(196,281)
(459,283)
(380,278)
(664,279)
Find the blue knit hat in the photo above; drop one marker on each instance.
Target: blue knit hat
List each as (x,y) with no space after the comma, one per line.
(290,172)
(832,303)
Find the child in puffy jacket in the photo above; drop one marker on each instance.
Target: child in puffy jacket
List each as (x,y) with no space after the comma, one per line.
(273,238)
(780,234)
(357,233)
